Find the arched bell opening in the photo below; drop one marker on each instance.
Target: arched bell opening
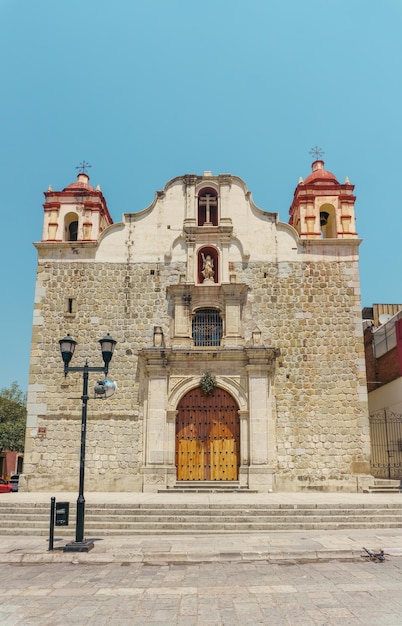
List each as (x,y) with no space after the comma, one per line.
(71,227)
(328,221)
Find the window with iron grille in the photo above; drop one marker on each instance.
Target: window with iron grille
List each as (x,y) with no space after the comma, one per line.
(207,328)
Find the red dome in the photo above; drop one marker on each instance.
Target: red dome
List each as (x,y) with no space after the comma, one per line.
(319,173)
(80,184)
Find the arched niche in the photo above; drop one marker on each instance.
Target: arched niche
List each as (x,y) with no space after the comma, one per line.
(207,207)
(207,266)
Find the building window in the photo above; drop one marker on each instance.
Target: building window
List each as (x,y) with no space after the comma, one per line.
(207,328)
(70,306)
(208,207)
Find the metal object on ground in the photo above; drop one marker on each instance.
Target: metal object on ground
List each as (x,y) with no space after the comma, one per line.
(374,556)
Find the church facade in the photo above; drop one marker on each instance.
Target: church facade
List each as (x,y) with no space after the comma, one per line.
(239,353)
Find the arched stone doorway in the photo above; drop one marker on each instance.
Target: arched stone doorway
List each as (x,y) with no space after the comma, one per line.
(207,436)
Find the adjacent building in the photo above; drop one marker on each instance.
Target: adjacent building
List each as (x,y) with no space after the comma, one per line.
(383,349)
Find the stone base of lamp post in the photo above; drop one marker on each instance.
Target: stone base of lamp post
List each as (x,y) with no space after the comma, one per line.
(79,546)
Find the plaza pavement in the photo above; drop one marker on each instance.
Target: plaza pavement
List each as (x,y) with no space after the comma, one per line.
(273,546)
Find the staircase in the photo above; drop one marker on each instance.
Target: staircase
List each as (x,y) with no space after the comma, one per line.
(207,486)
(385,486)
(20,518)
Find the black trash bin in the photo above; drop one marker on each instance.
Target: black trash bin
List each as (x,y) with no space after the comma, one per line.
(14,481)
(62,510)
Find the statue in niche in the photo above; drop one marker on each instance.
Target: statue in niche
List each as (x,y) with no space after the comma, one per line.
(207,268)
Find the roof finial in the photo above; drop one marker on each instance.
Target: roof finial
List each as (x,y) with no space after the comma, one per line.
(317,152)
(83,167)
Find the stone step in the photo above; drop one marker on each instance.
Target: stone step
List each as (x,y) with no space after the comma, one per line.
(69,531)
(386,481)
(95,527)
(215,509)
(228,522)
(385,485)
(207,486)
(278,517)
(205,490)
(115,519)
(384,489)
(203,516)
(217,484)
(124,521)
(8,507)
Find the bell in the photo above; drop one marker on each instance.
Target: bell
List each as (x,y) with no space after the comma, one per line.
(324,218)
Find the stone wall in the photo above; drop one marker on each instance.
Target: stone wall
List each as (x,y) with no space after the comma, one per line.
(126,301)
(309,310)
(111,461)
(312,312)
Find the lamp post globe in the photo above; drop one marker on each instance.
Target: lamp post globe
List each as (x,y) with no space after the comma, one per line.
(107,346)
(67,347)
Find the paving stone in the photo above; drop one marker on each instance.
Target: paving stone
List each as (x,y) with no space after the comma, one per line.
(254,603)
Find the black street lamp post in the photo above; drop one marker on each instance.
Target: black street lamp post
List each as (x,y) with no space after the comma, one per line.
(67,347)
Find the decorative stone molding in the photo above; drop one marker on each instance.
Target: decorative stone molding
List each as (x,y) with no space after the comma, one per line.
(158,337)
(171,415)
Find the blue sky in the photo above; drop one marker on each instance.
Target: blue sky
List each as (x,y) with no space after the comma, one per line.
(146,90)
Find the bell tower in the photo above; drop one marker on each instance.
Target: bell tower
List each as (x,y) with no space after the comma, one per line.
(78,213)
(322,208)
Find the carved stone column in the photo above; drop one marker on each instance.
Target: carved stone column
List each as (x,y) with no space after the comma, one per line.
(262,443)
(156,428)
(190,181)
(181,295)
(156,417)
(244,448)
(234,294)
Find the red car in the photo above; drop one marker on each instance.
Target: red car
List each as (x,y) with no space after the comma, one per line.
(5,486)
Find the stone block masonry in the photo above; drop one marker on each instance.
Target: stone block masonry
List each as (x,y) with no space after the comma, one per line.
(276,323)
(305,313)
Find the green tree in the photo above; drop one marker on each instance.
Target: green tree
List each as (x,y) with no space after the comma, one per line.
(13,415)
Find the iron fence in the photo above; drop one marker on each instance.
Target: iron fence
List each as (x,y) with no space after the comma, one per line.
(386,444)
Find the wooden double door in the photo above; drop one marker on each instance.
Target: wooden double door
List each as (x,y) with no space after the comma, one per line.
(207,436)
